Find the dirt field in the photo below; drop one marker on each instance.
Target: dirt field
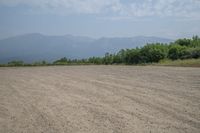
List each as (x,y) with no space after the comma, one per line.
(99,99)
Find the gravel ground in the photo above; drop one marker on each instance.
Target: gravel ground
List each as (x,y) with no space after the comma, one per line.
(100,99)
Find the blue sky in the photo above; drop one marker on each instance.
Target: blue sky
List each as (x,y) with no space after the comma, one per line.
(101,18)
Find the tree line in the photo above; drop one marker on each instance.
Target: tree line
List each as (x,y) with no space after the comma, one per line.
(150,53)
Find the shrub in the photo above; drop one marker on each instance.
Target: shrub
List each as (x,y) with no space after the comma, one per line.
(153,52)
(16,63)
(176,51)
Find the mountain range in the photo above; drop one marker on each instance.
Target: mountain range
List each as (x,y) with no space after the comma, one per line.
(36,47)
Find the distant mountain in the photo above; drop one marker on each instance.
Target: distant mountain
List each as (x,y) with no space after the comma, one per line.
(37,47)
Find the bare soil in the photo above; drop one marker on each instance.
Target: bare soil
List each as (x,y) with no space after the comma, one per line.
(100,99)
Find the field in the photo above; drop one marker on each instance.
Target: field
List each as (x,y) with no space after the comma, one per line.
(99,99)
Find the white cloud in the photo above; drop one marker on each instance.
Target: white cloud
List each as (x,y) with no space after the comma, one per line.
(134,8)
(71,6)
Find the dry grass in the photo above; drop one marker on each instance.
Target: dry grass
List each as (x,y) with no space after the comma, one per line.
(184,63)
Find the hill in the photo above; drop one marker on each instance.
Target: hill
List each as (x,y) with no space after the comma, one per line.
(35,47)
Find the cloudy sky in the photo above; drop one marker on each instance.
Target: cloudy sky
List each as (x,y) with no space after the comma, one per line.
(98,18)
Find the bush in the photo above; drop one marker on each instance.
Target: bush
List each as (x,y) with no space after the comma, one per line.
(153,52)
(16,63)
(176,52)
(133,56)
(183,42)
(61,61)
(192,53)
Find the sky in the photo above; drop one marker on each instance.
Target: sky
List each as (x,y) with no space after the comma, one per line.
(101,18)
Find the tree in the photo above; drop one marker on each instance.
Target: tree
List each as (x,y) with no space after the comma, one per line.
(176,52)
(95,60)
(133,56)
(183,42)
(116,59)
(121,54)
(62,61)
(108,59)
(191,53)
(195,41)
(153,52)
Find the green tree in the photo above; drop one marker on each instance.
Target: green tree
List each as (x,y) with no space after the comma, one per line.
(117,59)
(62,61)
(183,42)
(121,54)
(153,52)
(195,41)
(176,52)
(133,56)
(191,53)
(108,59)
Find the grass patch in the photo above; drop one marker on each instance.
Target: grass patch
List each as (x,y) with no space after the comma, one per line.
(184,63)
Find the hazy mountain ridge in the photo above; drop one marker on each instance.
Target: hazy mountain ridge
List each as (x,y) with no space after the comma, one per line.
(36,47)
